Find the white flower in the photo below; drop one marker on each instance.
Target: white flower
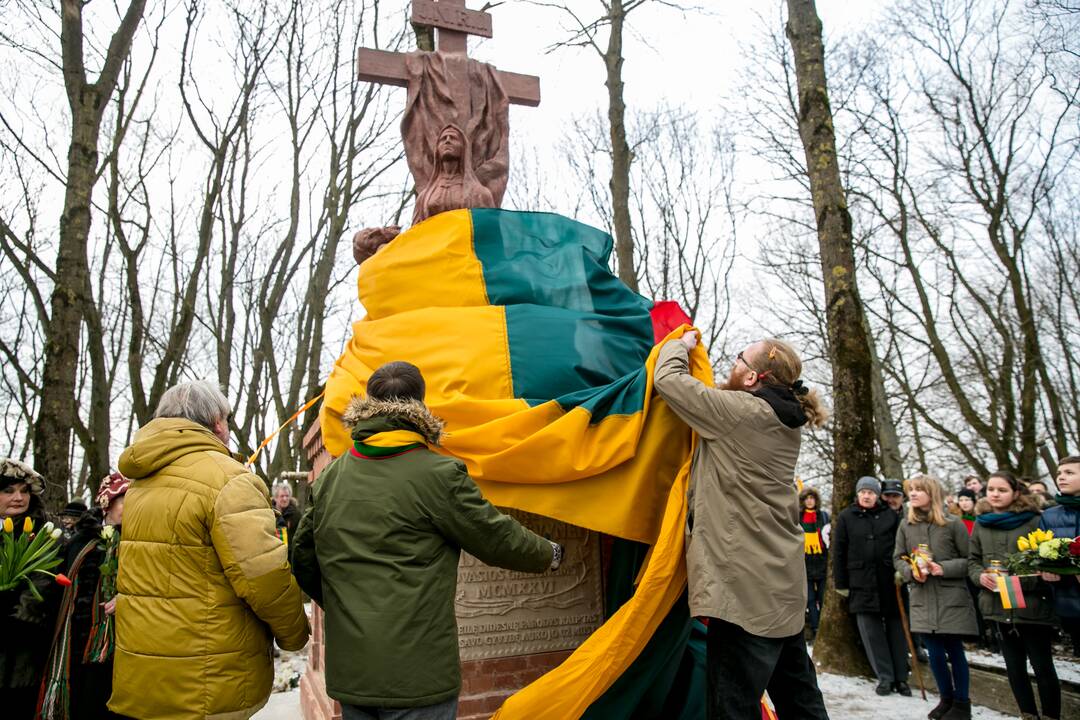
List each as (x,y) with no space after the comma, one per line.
(48,528)
(1048,550)
(55,534)
(107,532)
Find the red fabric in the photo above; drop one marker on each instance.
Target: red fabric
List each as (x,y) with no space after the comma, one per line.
(969,524)
(666,316)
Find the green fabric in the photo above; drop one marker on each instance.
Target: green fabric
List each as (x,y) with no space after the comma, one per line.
(378,549)
(374,451)
(1070,501)
(571,325)
(661,681)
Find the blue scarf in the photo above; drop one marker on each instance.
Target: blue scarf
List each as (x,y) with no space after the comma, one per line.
(1005,520)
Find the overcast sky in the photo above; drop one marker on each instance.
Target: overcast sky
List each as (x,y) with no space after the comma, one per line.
(691,58)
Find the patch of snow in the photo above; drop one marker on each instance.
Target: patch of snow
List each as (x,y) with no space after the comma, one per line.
(853,698)
(1068,669)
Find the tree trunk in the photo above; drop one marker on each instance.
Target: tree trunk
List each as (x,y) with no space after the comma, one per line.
(849,349)
(72,291)
(890,459)
(620,150)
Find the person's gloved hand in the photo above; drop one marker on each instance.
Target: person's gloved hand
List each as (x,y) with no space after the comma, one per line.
(843,592)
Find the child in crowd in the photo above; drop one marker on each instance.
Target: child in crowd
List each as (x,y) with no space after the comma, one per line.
(1064,521)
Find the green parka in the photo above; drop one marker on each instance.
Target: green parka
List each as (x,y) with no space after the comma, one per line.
(378,549)
(988,544)
(941,604)
(203,586)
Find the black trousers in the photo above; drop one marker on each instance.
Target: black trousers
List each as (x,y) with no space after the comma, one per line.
(885,645)
(1023,642)
(741,667)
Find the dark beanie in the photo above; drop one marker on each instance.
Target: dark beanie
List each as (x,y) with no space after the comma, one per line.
(968,494)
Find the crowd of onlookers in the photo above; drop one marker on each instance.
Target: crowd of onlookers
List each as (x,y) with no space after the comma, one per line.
(187,629)
(915,550)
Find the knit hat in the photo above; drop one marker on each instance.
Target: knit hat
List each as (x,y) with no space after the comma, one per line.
(892,487)
(111,488)
(968,494)
(868,483)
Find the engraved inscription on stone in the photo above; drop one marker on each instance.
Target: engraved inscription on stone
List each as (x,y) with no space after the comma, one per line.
(502,613)
(449,17)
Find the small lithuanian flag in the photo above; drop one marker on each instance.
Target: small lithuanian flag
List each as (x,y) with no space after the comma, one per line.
(1012,597)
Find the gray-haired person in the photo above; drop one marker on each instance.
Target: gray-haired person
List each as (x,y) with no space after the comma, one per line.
(204,584)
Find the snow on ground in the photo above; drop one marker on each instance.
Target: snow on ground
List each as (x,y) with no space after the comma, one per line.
(846,698)
(1068,669)
(852,698)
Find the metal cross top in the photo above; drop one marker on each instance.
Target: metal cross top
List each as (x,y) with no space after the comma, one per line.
(453,23)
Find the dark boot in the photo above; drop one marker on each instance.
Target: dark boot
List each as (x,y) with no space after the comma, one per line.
(883,688)
(960,710)
(903,688)
(939,712)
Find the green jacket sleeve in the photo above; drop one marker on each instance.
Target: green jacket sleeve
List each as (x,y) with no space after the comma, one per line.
(478,527)
(957,567)
(899,550)
(709,412)
(976,566)
(305,561)
(255,561)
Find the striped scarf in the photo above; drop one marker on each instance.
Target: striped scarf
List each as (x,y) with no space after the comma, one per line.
(812,544)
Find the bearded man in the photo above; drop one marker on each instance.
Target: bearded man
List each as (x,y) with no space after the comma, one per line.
(744,547)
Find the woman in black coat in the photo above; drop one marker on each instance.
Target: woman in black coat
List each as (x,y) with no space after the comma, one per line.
(26,623)
(863,536)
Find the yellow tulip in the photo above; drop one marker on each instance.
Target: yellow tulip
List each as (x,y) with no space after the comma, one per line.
(28,525)
(8,525)
(1048,535)
(1022,543)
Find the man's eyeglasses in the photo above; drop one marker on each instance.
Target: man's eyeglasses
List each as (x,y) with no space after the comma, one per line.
(740,358)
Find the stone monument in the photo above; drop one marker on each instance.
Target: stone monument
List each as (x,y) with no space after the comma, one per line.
(456,126)
(512,627)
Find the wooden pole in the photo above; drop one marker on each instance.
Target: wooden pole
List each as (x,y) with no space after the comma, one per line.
(910,643)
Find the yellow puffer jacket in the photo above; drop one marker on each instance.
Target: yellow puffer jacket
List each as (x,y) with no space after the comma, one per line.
(204,583)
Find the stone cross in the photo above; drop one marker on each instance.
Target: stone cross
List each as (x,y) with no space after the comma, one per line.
(453,23)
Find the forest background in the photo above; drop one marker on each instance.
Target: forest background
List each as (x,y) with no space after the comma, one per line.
(234,153)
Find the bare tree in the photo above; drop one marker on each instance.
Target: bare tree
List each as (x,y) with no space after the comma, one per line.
(849,351)
(588,33)
(72,303)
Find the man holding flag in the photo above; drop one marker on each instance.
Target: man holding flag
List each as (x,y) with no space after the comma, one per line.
(744,549)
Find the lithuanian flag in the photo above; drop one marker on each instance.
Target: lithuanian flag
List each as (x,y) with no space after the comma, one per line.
(1012,596)
(541,362)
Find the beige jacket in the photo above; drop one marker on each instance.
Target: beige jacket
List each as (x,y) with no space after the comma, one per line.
(744,546)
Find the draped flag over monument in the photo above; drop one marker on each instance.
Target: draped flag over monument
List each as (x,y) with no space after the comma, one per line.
(540,361)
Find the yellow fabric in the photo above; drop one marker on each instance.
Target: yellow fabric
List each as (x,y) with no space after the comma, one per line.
(394,438)
(204,582)
(625,475)
(812,543)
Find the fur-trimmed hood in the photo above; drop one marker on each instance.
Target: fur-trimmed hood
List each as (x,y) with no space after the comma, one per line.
(410,412)
(15,471)
(806,492)
(1023,503)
